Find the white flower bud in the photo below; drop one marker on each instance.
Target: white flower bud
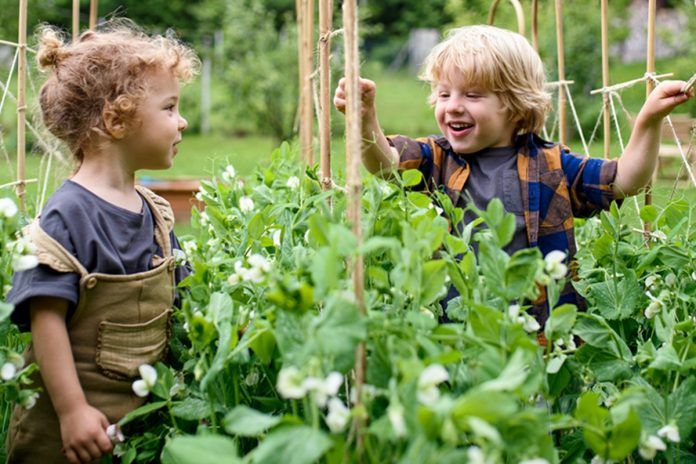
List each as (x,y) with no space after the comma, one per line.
(8,208)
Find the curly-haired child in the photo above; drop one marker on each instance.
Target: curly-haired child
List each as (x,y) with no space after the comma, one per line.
(489,99)
(99,304)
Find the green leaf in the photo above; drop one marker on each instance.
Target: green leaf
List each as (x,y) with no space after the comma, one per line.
(192,409)
(490,406)
(418,199)
(327,267)
(595,419)
(433,287)
(201,449)
(256,226)
(624,437)
(512,376)
(520,273)
(666,359)
(560,322)
(292,445)
(595,331)
(648,213)
(247,422)
(142,411)
(5,310)
(412,177)
(262,340)
(505,230)
(683,400)
(337,332)
(617,300)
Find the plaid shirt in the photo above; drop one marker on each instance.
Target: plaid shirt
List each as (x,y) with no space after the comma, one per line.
(557,186)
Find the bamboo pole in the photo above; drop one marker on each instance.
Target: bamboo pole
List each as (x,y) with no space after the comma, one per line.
(562,125)
(519,14)
(93,9)
(305,33)
(649,84)
(325,17)
(605,78)
(21,106)
(535,25)
(353,157)
(75,19)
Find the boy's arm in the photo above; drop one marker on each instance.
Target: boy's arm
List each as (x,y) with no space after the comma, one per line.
(637,163)
(82,427)
(377,155)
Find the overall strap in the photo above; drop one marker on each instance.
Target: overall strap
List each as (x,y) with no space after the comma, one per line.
(51,253)
(164,218)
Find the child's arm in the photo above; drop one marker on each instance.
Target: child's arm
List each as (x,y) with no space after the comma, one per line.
(637,163)
(377,155)
(82,427)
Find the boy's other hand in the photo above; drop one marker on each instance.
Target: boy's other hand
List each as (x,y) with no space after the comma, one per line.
(83,431)
(662,101)
(368,90)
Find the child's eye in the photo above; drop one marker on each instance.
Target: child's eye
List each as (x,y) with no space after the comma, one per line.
(473,95)
(443,95)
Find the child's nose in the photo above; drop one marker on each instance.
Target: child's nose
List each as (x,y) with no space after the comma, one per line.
(455,105)
(183,124)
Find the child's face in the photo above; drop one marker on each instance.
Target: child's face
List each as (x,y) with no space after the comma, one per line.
(472,118)
(151,144)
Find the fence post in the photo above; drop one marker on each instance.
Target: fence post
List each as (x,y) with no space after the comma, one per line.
(605,78)
(21,106)
(562,129)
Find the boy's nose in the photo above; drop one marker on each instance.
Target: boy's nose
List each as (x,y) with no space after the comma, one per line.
(455,105)
(183,123)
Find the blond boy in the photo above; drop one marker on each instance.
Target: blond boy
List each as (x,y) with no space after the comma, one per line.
(489,100)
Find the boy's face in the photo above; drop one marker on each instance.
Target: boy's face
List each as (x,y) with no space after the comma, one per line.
(472,118)
(152,142)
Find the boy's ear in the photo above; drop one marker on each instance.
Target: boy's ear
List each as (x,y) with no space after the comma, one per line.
(113,123)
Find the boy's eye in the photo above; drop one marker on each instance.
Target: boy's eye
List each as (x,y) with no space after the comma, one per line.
(472,95)
(443,94)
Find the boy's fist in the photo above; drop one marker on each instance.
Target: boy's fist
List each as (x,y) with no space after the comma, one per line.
(662,101)
(368,90)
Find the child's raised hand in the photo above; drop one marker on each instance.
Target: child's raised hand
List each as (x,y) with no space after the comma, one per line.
(83,431)
(662,101)
(368,90)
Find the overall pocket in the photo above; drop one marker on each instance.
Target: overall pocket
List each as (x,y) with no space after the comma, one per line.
(122,348)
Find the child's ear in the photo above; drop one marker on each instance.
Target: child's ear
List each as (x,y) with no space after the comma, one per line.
(113,123)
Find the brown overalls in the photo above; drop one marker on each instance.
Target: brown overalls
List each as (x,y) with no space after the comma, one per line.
(121,322)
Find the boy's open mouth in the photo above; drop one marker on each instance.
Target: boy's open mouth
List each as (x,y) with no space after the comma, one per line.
(459,127)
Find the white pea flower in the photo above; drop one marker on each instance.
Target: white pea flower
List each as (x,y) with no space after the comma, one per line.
(534,461)
(671,279)
(649,448)
(367,392)
(514,311)
(395,414)
(240,184)
(430,378)
(8,208)
(338,415)
(293,182)
(276,237)
(323,389)
(658,235)
(24,262)
(252,379)
(229,173)
(306,236)
(203,218)
(148,379)
(246,204)
(651,280)
(189,247)
(113,431)
(233,279)
(654,306)
(259,261)
(179,255)
(670,432)
(385,188)
(555,267)
(199,196)
(290,383)
(29,401)
(475,455)
(693,275)
(529,324)
(8,371)
(600,460)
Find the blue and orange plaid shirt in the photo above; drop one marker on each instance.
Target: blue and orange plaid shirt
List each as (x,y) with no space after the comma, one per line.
(556,185)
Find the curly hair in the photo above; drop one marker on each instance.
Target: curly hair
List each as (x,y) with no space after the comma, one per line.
(500,61)
(109,67)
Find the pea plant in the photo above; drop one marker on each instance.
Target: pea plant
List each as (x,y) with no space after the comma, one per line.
(260,366)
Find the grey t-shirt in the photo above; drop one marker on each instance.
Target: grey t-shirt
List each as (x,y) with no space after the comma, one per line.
(494,175)
(103,237)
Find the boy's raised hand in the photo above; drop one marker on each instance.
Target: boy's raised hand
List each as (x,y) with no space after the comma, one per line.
(368,90)
(663,100)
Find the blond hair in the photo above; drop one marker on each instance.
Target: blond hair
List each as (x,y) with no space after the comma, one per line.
(498,60)
(108,67)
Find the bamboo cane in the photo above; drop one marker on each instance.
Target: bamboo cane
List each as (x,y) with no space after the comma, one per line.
(93,9)
(535,25)
(650,86)
(75,19)
(605,77)
(325,17)
(21,107)
(353,157)
(562,129)
(305,31)
(519,14)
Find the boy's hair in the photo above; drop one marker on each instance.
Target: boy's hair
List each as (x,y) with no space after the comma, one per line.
(498,60)
(106,68)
